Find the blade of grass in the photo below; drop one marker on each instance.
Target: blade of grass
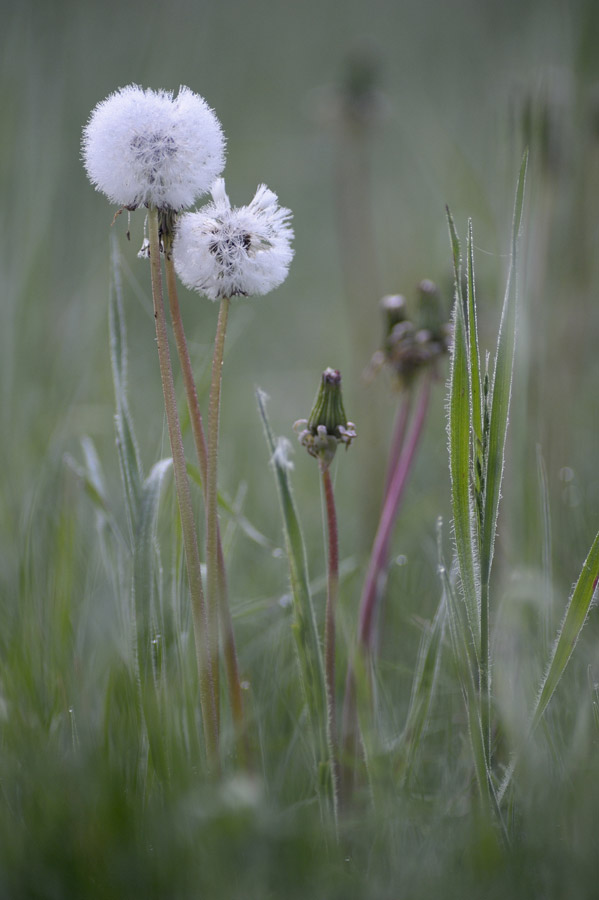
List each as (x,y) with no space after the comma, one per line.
(501,389)
(423,688)
(569,631)
(460,441)
(545,516)
(144,580)
(575,616)
(475,377)
(459,634)
(305,630)
(129,459)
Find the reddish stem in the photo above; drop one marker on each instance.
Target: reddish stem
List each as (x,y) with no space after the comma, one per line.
(329,627)
(380,549)
(399,435)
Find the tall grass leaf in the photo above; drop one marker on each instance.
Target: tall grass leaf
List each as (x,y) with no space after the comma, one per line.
(91,478)
(144,593)
(567,638)
(305,630)
(460,442)
(241,521)
(423,688)
(129,458)
(545,516)
(458,636)
(569,632)
(501,389)
(475,376)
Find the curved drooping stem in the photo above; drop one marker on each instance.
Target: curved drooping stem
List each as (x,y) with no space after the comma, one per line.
(197,427)
(188,528)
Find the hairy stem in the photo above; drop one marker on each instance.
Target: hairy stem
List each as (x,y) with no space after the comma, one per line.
(211,493)
(329,629)
(190,541)
(229,648)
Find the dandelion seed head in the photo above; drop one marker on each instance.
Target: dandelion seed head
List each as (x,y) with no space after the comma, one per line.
(224,251)
(148,147)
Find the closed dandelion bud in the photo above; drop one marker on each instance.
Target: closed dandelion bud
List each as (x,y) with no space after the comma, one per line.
(432,316)
(327,426)
(395,310)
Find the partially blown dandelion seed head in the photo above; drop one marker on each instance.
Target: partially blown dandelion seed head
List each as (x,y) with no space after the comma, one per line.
(148,147)
(225,251)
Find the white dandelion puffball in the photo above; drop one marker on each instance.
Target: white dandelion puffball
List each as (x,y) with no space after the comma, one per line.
(225,251)
(148,147)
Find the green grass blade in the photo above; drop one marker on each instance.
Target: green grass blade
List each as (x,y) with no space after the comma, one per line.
(241,521)
(144,593)
(569,632)
(501,390)
(567,638)
(460,443)
(475,376)
(305,630)
(545,518)
(458,633)
(129,458)
(423,688)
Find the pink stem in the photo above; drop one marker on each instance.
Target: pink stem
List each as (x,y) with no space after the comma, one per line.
(399,435)
(380,549)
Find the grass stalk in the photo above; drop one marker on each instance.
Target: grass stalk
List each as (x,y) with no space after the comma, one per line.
(190,541)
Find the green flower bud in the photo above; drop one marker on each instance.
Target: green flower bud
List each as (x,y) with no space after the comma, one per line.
(327,425)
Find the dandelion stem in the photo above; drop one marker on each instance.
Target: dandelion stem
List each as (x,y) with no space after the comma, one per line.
(329,629)
(211,493)
(380,549)
(229,648)
(399,434)
(190,541)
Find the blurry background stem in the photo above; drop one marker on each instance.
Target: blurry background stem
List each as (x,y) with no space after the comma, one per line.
(357,113)
(399,433)
(208,698)
(228,638)
(404,456)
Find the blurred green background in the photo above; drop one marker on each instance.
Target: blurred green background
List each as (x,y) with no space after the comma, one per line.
(365,119)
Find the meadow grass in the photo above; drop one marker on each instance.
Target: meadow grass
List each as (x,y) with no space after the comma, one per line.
(478,713)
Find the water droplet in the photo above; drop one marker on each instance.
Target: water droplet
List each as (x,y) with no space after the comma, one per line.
(401,560)
(566,473)
(277,553)
(285,601)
